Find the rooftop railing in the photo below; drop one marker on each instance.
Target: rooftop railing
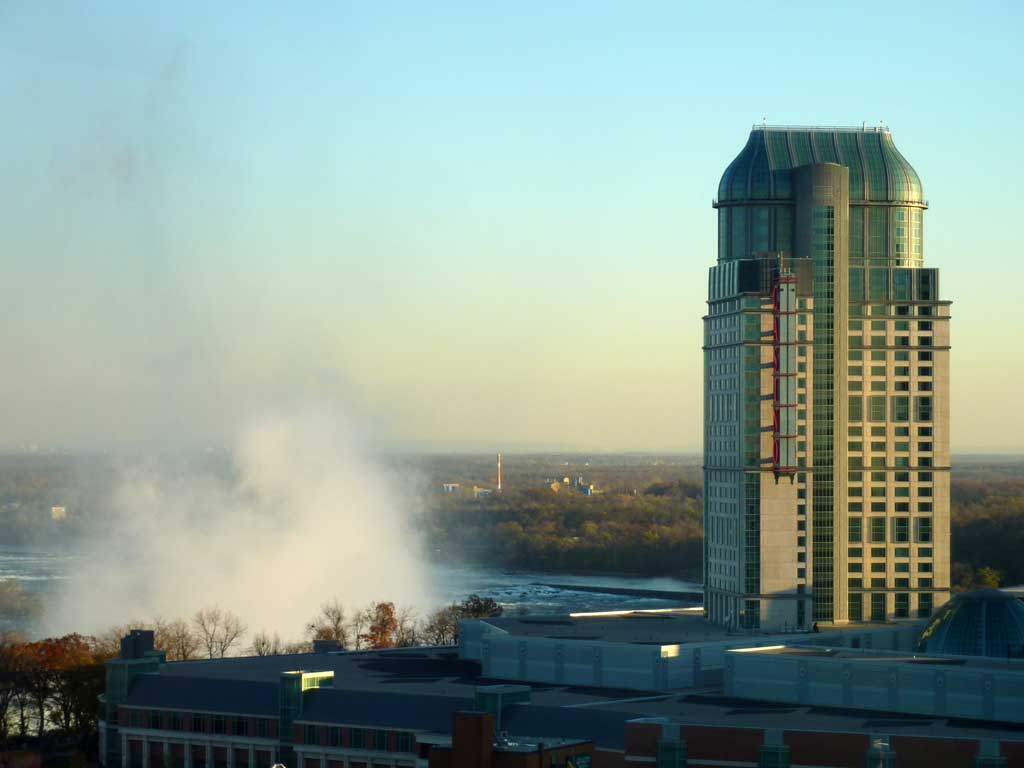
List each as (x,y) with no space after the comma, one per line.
(836,128)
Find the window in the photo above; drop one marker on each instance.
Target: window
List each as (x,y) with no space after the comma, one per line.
(855,552)
(923,408)
(856,408)
(924,567)
(902,605)
(262,728)
(241,726)
(877,407)
(902,370)
(925,370)
(902,567)
(154,720)
(198,725)
(334,737)
(878,492)
(134,718)
(878,567)
(358,738)
(878,446)
(855,583)
(405,742)
(310,735)
(856,532)
(924,530)
(855,567)
(878,583)
(878,606)
(901,529)
(924,551)
(177,721)
(218,724)
(878,386)
(924,605)
(878,530)
(900,408)
(380,740)
(856,606)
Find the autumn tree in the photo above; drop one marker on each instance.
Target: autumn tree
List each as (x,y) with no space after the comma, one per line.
(382,626)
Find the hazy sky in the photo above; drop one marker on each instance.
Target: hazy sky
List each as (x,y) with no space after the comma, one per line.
(471,222)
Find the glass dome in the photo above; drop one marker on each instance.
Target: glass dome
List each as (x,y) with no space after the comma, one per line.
(985,622)
(878,172)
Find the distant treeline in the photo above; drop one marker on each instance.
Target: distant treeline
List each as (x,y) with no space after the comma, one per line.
(658,531)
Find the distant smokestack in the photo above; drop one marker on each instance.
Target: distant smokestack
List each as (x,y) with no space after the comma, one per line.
(499,473)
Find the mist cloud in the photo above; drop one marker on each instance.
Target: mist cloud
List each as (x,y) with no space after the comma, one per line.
(302,516)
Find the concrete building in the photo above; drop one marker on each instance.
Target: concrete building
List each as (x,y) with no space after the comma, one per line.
(826,406)
(573,691)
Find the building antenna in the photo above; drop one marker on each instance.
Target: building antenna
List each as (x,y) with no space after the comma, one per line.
(499,473)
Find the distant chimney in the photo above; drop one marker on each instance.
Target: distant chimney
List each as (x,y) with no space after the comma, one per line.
(137,643)
(326,646)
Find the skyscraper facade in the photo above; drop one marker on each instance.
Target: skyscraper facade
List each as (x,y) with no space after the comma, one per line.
(826,388)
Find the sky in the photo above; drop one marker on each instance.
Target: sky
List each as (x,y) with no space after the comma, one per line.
(473,224)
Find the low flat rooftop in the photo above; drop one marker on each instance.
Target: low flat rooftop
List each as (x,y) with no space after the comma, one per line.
(668,626)
(888,657)
(421,688)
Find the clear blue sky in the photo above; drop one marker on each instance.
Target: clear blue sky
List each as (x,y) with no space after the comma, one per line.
(473,223)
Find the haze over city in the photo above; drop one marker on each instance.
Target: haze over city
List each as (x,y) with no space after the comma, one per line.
(470,226)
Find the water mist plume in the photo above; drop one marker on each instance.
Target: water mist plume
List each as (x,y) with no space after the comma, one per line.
(304,516)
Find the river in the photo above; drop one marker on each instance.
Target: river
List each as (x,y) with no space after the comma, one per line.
(41,572)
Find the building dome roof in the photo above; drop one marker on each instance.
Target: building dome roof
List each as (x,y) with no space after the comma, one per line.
(878,172)
(985,622)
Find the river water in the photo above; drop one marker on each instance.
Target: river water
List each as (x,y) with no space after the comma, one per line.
(41,572)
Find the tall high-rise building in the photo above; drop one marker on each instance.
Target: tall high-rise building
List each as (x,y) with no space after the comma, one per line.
(826,388)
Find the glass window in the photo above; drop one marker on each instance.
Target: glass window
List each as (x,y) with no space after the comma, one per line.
(877,407)
(878,530)
(856,408)
(924,530)
(856,606)
(902,605)
(856,525)
(241,726)
(923,408)
(262,728)
(311,736)
(900,408)
(878,606)
(198,724)
(218,724)
(924,605)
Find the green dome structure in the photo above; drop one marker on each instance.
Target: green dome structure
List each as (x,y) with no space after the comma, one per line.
(878,172)
(984,622)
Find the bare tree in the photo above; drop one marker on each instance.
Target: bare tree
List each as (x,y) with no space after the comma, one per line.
(441,627)
(177,639)
(329,624)
(407,633)
(265,645)
(357,626)
(218,631)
